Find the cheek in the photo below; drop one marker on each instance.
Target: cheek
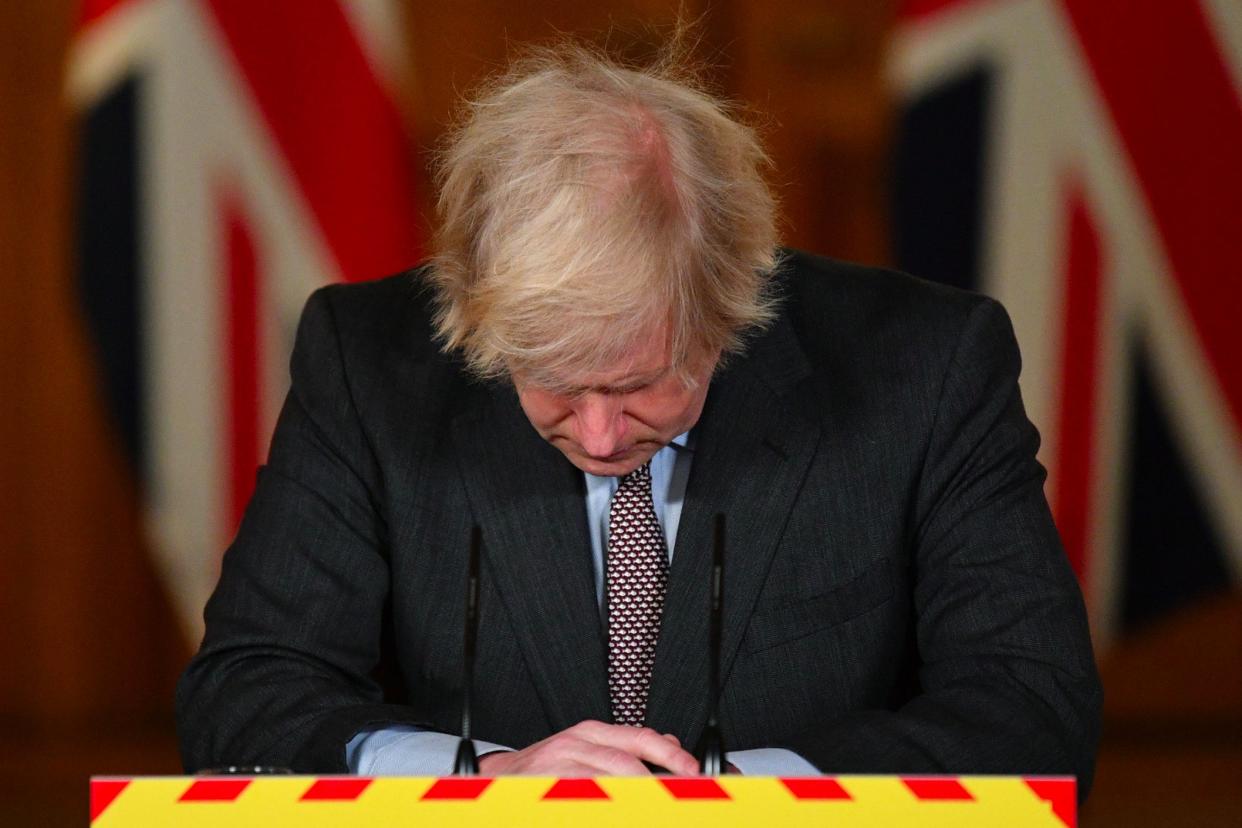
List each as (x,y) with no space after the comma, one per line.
(672,411)
(692,408)
(544,410)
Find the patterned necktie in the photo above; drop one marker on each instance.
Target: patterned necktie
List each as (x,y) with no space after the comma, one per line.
(637,576)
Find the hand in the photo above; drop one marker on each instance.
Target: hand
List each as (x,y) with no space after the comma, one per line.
(594,749)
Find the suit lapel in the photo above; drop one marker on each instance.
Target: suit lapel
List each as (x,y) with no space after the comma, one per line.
(529,502)
(752,452)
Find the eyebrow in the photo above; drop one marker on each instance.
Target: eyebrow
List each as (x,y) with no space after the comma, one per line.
(632,381)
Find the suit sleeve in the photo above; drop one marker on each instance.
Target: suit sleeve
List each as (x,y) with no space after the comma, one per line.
(1007,681)
(283,676)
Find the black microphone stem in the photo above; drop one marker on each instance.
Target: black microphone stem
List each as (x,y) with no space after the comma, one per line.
(711,747)
(466,763)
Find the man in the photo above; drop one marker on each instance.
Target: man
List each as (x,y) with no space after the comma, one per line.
(606,350)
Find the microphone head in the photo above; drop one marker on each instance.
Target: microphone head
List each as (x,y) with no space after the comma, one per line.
(465,763)
(710,751)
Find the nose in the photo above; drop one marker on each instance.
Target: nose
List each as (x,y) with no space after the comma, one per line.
(601,426)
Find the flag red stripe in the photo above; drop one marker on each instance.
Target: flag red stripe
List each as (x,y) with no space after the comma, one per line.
(243,359)
(92,10)
(920,9)
(1162,75)
(1080,343)
(338,130)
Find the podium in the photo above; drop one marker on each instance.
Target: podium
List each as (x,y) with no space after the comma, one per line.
(330,801)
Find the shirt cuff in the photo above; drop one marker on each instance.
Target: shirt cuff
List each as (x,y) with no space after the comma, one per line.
(402,750)
(771,762)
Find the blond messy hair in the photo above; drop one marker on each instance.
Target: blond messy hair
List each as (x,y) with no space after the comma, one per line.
(584,205)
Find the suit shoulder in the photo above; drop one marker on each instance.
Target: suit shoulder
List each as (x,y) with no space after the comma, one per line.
(374,344)
(825,290)
(388,315)
(841,305)
(871,323)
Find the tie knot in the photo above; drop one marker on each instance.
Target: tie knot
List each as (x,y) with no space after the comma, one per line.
(639,474)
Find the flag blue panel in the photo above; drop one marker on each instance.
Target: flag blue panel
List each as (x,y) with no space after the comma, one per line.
(109,255)
(1172,555)
(938,170)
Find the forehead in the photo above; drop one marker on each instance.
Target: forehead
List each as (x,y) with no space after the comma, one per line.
(647,355)
(646,358)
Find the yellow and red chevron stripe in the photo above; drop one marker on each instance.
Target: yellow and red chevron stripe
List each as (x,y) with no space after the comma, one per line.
(321,802)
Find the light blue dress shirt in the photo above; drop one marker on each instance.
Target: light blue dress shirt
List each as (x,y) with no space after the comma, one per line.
(402,750)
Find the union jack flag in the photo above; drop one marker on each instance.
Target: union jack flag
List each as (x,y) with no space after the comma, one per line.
(234,156)
(1081,160)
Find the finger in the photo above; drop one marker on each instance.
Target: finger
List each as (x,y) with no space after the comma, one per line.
(580,770)
(645,744)
(590,730)
(666,752)
(608,761)
(560,755)
(565,768)
(568,752)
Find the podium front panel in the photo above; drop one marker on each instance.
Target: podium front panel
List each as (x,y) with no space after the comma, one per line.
(329,801)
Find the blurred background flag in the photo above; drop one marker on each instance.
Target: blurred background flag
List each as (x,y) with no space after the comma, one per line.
(233,156)
(1081,160)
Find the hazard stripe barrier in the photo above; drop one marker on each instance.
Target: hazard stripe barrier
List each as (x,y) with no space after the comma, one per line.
(457,788)
(336,789)
(693,788)
(575,789)
(214,790)
(936,788)
(821,788)
(324,802)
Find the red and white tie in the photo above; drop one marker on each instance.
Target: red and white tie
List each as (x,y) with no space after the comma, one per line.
(637,576)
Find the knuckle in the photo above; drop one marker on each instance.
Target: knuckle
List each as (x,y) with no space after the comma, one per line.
(618,759)
(561,745)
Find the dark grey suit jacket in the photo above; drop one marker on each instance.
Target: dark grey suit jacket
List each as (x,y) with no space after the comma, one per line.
(896,597)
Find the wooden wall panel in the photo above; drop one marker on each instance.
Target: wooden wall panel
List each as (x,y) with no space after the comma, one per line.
(85,619)
(814,70)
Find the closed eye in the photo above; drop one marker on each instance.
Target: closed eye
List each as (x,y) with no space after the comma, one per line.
(578,391)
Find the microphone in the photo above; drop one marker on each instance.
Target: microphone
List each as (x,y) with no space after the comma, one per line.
(711,749)
(466,763)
